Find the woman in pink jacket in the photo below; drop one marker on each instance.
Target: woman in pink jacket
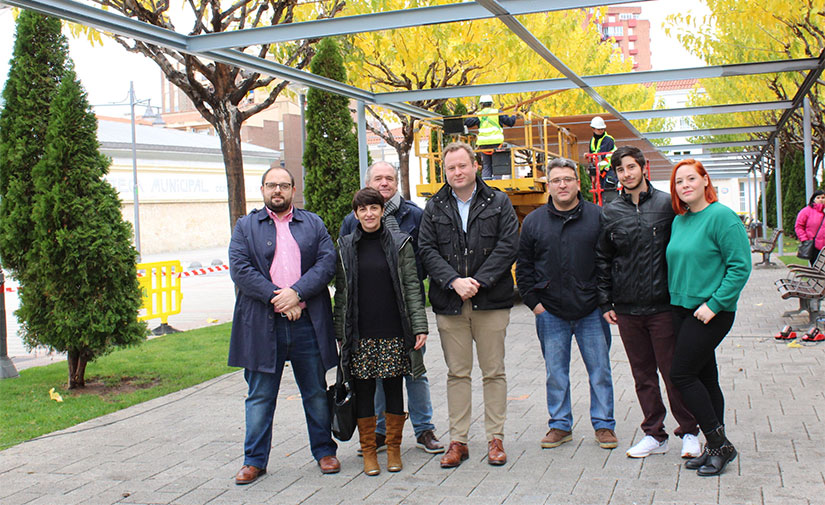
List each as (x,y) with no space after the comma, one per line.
(809,225)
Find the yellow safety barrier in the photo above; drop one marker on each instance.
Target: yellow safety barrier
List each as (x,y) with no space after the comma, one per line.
(160,287)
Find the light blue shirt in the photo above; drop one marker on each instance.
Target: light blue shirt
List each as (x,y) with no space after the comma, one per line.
(464,208)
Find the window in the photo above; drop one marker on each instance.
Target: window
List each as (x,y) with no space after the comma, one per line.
(625,15)
(630,30)
(613,31)
(281,135)
(631,45)
(611,19)
(742,197)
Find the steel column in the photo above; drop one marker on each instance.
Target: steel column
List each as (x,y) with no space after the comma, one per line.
(778,182)
(762,193)
(806,145)
(362,140)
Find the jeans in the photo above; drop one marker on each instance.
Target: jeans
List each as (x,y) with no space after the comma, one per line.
(694,370)
(418,403)
(296,343)
(555,336)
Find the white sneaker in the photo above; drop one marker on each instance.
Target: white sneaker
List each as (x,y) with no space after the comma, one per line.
(691,447)
(646,447)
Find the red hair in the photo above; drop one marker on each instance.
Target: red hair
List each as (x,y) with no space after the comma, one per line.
(680,207)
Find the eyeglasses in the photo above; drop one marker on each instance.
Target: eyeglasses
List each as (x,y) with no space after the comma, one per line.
(285,186)
(558,180)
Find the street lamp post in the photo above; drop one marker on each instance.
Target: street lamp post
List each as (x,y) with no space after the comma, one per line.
(134,166)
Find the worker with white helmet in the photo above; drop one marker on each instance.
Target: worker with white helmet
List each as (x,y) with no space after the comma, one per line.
(490,132)
(602,142)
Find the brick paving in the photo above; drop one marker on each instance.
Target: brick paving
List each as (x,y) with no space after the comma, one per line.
(184,448)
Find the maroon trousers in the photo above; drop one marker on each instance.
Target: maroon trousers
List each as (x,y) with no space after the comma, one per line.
(649,342)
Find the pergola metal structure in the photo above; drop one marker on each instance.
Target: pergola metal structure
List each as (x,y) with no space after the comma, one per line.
(219,47)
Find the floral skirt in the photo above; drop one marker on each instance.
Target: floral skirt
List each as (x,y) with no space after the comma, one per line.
(380,358)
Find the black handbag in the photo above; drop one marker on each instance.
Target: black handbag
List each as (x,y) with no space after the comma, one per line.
(341,399)
(806,250)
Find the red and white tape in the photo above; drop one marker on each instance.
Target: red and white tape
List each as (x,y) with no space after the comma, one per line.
(203,271)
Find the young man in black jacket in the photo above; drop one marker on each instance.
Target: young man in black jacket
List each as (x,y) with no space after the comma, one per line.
(556,274)
(633,293)
(467,242)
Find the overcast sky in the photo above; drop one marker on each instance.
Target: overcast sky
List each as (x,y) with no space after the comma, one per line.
(106,71)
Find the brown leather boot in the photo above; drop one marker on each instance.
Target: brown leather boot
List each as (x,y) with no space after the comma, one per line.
(395,428)
(366,435)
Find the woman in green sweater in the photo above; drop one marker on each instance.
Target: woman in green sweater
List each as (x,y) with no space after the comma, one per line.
(709,262)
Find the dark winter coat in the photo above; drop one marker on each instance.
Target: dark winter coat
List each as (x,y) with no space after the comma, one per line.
(632,269)
(253,341)
(486,252)
(401,261)
(408,217)
(557,259)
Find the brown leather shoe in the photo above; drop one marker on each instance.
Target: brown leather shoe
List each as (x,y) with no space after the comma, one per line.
(248,474)
(329,464)
(555,437)
(457,453)
(606,438)
(495,452)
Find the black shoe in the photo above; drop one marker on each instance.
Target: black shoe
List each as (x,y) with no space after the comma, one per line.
(717,460)
(719,451)
(380,443)
(695,463)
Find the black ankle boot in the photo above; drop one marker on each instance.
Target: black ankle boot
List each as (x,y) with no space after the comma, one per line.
(698,461)
(719,451)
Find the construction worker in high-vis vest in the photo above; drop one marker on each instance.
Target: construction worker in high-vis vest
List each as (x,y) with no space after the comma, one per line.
(490,132)
(604,143)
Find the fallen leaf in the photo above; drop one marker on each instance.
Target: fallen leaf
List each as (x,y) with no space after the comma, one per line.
(211,320)
(54,395)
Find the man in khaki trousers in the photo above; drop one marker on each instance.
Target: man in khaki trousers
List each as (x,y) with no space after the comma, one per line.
(467,242)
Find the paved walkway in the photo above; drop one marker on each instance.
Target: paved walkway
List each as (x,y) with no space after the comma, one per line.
(184,448)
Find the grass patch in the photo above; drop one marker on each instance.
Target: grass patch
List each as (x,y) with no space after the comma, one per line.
(793,260)
(118,380)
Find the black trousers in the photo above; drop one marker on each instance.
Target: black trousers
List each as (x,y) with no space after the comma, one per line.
(365,396)
(694,371)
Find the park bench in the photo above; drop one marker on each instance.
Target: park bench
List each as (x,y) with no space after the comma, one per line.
(766,247)
(806,283)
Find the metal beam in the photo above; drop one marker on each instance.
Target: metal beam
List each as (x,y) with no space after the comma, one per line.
(596,81)
(725,175)
(128,27)
(710,132)
(708,109)
(702,156)
(803,90)
(714,145)
(379,21)
(737,166)
(506,17)
(107,21)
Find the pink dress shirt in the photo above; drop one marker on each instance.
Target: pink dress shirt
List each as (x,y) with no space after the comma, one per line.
(286,264)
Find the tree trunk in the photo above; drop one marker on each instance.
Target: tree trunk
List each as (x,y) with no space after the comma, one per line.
(228,126)
(404,169)
(77,369)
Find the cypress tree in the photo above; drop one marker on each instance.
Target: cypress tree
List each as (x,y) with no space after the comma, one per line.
(331,155)
(37,65)
(82,297)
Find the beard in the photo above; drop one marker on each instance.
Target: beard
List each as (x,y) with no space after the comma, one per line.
(278,207)
(638,184)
